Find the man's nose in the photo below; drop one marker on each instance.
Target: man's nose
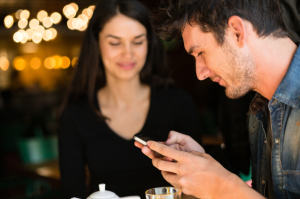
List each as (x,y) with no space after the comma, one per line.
(202,71)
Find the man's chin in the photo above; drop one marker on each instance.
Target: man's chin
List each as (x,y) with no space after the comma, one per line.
(235,93)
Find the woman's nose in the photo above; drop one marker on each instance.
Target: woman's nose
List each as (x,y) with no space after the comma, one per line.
(201,70)
(128,51)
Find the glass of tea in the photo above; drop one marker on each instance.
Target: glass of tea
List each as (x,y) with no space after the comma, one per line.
(163,193)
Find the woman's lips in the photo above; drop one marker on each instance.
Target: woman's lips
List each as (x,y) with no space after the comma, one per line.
(126,65)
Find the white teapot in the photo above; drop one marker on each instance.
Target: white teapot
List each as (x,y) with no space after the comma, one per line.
(103,194)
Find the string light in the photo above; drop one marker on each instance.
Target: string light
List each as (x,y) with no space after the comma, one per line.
(33,24)
(8,21)
(19,63)
(42,15)
(22,23)
(24,14)
(54,32)
(56,17)
(35,63)
(4,63)
(18,14)
(47,22)
(30,33)
(37,37)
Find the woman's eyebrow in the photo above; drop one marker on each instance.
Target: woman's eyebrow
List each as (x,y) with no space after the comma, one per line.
(139,36)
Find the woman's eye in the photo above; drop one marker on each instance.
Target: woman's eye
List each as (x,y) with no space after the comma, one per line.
(138,43)
(114,44)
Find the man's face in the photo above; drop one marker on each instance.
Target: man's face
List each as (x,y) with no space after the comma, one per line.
(231,68)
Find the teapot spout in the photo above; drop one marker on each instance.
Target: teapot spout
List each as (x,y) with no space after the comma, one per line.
(131,197)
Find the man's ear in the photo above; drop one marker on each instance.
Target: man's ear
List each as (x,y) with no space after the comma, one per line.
(236,30)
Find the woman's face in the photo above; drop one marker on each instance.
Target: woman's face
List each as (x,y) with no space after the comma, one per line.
(123,47)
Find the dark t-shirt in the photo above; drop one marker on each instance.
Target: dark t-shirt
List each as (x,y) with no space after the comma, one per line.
(84,139)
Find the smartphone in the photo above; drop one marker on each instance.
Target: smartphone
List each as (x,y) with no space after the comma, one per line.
(141,138)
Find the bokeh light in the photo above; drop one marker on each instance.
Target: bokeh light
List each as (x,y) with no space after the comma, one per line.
(92,7)
(33,24)
(70,24)
(65,62)
(18,14)
(24,14)
(48,22)
(75,6)
(37,37)
(8,21)
(69,11)
(47,35)
(54,32)
(74,61)
(40,29)
(56,17)
(35,63)
(42,15)
(22,23)
(30,33)
(24,36)
(17,37)
(4,63)
(49,63)
(19,63)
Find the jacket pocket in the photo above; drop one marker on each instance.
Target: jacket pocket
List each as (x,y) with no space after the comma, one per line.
(292,181)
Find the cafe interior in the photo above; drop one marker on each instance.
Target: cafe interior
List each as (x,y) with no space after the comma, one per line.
(39,47)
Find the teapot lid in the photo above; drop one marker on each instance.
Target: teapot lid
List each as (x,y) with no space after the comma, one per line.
(102,193)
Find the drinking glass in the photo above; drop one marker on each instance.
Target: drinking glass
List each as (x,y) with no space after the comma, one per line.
(163,193)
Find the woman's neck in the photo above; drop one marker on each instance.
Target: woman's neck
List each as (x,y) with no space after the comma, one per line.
(123,93)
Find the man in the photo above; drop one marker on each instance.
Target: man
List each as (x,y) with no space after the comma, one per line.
(243,45)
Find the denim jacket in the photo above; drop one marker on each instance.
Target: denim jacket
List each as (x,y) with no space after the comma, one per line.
(284,109)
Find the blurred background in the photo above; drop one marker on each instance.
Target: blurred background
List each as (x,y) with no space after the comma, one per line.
(39,45)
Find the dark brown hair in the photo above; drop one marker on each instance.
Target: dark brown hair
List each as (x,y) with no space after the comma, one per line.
(89,75)
(212,16)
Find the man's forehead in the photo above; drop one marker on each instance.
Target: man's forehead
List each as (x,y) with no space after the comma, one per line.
(191,36)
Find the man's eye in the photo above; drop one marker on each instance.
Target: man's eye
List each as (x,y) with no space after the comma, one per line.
(199,54)
(114,44)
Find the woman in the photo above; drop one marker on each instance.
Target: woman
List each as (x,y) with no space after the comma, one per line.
(120,87)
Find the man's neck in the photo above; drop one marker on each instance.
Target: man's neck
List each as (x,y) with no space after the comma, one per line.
(273,57)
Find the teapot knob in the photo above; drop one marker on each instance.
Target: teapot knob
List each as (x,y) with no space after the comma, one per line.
(102,187)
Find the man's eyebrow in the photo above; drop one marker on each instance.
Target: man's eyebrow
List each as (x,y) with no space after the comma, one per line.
(191,51)
(139,36)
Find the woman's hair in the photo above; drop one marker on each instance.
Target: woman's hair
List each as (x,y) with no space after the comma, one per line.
(89,75)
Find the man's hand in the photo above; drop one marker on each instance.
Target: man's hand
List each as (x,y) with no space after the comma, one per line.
(198,174)
(176,141)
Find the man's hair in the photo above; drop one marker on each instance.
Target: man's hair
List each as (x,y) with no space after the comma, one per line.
(212,16)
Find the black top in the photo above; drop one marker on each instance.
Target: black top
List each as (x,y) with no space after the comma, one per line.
(85,139)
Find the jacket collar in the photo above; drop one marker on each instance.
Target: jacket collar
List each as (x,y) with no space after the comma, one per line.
(288,90)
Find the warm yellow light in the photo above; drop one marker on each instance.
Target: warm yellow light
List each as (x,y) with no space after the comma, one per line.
(74,61)
(18,37)
(18,14)
(74,5)
(25,36)
(70,24)
(8,21)
(30,33)
(49,62)
(89,13)
(92,7)
(4,63)
(33,24)
(22,23)
(47,22)
(19,63)
(35,63)
(69,11)
(83,28)
(65,62)
(42,15)
(37,37)
(40,29)
(58,61)
(56,17)
(83,17)
(47,35)
(54,33)
(24,14)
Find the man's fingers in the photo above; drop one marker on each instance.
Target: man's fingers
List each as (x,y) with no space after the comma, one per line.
(172,178)
(148,152)
(139,145)
(164,165)
(165,150)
